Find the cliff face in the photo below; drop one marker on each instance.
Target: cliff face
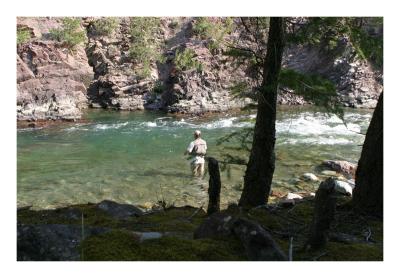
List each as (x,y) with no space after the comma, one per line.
(51,81)
(56,83)
(358,85)
(117,85)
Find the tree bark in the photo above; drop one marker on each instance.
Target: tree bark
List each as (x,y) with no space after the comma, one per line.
(214,186)
(324,214)
(261,165)
(368,191)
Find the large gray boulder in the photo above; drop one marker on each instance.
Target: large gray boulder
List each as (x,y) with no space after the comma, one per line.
(257,242)
(51,242)
(119,211)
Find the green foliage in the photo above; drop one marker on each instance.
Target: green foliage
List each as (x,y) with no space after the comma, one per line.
(70,33)
(213,30)
(327,31)
(185,60)
(106,26)
(241,90)
(368,47)
(144,48)
(173,24)
(312,87)
(23,35)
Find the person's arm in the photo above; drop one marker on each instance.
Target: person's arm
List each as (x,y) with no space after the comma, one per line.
(189,148)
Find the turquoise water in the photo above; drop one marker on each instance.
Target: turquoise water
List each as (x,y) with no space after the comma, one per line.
(137,157)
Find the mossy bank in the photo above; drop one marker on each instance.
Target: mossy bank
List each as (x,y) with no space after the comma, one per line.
(167,234)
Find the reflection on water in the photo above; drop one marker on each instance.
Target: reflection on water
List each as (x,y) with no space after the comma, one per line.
(138,157)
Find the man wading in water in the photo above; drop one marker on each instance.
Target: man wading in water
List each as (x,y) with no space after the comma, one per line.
(197,149)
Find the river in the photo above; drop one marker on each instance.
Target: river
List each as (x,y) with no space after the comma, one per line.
(137,157)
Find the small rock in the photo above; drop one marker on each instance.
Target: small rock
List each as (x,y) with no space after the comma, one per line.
(328,173)
(293,196)
(343,187)
(310,177)
(148,235)
(287,203)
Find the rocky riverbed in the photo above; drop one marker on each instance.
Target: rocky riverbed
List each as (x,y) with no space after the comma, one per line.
(55,83)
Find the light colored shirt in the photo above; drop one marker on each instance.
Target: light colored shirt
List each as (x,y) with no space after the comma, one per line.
(197,159)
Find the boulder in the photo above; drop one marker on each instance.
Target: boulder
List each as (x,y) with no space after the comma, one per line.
(341,166)
(120,211)
(215,226)
(51,242)
(258,243)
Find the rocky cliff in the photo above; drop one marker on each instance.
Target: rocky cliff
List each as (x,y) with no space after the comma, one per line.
(52,81)
(55,82)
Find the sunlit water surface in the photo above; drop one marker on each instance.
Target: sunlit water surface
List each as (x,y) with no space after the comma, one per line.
(137,157)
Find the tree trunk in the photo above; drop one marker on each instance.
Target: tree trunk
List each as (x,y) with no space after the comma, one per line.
(368,192)
(214,186)
(324,214)
(261,165)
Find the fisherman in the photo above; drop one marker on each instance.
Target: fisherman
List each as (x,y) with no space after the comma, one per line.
(197,149)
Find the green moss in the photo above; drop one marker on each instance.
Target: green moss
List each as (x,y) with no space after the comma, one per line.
(353,252)
(123,246)
(267,219)
(173,219)
(303,211)
(121,243)
(335,251)
(70,215)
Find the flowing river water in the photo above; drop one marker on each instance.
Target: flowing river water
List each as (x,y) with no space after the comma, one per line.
(137,157)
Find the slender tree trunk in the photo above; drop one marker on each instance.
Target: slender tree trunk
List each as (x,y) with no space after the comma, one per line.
(261,165)
(214,186)
(368,192)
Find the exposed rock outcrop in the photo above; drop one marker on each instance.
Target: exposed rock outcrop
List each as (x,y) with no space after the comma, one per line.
(56,83)
(119,86)
(51,80)
(358,85)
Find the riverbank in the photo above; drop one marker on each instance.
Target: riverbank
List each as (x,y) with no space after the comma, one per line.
(108,231)
(55,82)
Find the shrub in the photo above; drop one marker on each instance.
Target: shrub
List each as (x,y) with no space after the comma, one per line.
(214,31)
(70,33)
(185,60)
(144,48)
(106,26)
(23,36)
